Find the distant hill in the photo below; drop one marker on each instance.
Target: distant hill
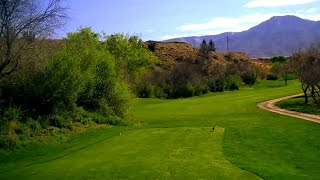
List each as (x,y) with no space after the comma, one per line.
(280,35)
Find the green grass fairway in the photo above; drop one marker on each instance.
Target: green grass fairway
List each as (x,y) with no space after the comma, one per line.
(175,140)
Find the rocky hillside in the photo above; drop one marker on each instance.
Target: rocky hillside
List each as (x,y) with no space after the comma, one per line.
(171,53)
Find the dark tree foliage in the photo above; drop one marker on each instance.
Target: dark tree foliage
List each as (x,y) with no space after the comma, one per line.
(206,48)
(280,67)
(278,59)
(212,46)
(152,46)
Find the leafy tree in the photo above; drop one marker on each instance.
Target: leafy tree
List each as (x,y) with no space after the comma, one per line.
(132,58)
(280,67)
(306,65)
(250,73)
(84,74)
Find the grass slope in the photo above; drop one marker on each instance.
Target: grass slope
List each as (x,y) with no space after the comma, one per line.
(174,141)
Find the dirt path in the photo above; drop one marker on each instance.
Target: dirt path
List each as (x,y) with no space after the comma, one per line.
(271,106)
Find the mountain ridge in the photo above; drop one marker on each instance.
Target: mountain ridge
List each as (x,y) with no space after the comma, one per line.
(280,35)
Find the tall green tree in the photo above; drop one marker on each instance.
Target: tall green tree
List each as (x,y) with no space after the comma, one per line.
(280,67)
(85,74)
(132,58)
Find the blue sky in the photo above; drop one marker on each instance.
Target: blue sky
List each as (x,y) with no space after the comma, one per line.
(164,19)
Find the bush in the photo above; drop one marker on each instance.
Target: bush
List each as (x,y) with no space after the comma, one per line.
(183,90)
(152,46)
(33,125)
(291,76)
(249,78)
(272,77)
(217,85)
(111,120)
(12,114)
(200,89)
(147,91)
(8,142)
(60,121)
(233,83)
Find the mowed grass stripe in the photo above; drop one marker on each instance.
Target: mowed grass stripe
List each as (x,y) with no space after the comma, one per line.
(179,153)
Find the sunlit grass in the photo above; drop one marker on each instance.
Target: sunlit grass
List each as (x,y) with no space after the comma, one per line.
(175,140)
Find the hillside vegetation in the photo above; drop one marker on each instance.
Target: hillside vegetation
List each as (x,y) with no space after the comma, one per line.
(185,71)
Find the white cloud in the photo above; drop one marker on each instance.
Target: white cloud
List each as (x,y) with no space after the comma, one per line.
(173,36)
(149,30)
(235,24)
(276,3)
(221,24)
(311,10)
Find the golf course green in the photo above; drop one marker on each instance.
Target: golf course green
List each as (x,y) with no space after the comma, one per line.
(215,136)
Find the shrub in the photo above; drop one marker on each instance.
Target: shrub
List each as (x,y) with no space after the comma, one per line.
(200,89)
(22,129)
(59,121)
(272,77)
(8,141)
(12,114)
(152,46)
(184,90)
(147,91)
(249,78)
(217,85)
(233,83)
(34,125)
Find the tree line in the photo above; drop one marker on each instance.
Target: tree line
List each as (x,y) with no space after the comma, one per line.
(200,75)
(304,65)
(85,78)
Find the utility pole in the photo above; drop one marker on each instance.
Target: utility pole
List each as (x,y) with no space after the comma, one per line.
(228,44)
